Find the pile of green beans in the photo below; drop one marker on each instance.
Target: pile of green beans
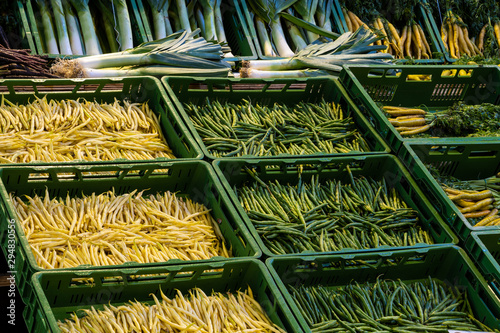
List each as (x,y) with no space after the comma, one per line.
(330,215)
(231,130)
(386,306)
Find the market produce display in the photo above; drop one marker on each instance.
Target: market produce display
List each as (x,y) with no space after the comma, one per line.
(396,22)
(68,130)
(386,306)
(343,236)
(259,130)
(330,215)
(109,229)
(196,312)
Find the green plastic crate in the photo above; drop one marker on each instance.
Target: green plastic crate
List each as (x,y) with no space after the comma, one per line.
(57,296)
(422,18)
(389,85)
(232,174)
(237,32)
(459,158)
(484,248)
(28,10)
(134,89)
(194,179)
(450,265)
(268,92)
(248,17)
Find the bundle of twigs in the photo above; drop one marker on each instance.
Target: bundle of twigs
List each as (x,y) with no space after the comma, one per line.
(19,63)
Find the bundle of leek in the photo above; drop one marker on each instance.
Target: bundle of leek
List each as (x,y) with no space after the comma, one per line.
(188,15)
(177,54)
(75,32)
(323,57)
(304,20)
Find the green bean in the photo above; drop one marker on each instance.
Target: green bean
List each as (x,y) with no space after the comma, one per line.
(331,210)
(305,128)
(385,306)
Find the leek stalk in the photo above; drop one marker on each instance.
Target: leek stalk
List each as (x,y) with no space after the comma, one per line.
(182,14)
(155,71)
(192,16)
(200,20)
(307,9)
(208,8)
(219,26)
(265,42)
(48,30)
(175,18)
(168,26)
(323,14)
(61,27)
(268,11)
(262,74)
(109,26)
(157,12)
(88,30)
(123,18)
(295,35)
(75,37)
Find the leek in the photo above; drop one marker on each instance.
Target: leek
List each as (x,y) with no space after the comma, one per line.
(307,9)
(61,27)
(158,10)
(329,56)
(177,51)
(88,30)
(200,20)
(208,7)
(295,35)
(109,26)
(182,14)
(75,37)
(263,74)
(155,71)
(48,30)
(168,26)
(177,23)
(323,14)
(268,11)
(265,42)
(123,18)
(219,26)
(192,16)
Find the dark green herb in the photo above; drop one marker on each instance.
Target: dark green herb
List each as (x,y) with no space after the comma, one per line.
(467,120)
